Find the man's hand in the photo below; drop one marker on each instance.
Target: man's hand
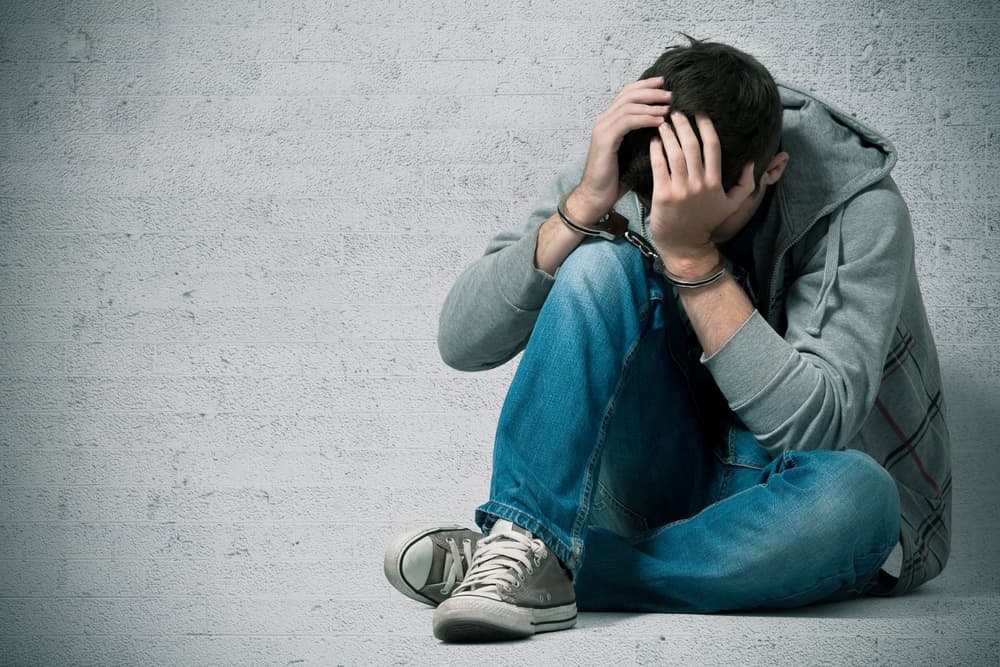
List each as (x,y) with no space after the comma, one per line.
(640,104)
(688,200)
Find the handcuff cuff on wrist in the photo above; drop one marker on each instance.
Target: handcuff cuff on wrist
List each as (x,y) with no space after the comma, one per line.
(613,224)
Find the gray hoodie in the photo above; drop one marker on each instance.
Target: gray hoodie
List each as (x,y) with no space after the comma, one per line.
(838,354)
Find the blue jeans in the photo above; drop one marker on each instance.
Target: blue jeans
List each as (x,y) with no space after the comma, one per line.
(652,500)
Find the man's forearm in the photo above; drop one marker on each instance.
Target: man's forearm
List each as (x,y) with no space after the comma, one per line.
(716,311)
(556,241)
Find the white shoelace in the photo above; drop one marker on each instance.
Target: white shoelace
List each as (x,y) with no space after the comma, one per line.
(453,570)
(503,560)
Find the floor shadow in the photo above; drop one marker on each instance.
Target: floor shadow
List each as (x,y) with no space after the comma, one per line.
(867,607)
(870,607)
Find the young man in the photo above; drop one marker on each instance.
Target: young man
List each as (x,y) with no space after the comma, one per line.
(729,395)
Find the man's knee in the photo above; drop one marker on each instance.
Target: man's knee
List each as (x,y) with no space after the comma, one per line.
(875,489)
(600,269)
(865,501)
(600,259)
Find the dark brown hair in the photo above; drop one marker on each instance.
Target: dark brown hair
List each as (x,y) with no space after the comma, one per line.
(733,89)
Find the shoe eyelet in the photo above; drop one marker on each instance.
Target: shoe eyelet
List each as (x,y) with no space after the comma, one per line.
(530,572)
(538,561)
(517,584)
(466,540)
(450,540)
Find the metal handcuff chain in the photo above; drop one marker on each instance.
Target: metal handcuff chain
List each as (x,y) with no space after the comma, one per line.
(612,219)
(646,248)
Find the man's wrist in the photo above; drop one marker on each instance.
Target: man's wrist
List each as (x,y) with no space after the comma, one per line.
(580,210)
(555,242)
(692,265)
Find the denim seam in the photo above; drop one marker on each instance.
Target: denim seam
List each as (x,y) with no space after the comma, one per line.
(788,463)
(595,457)
(586,492)
(742,461)
(660,529)
(588,481)
(731,443)
(611,499)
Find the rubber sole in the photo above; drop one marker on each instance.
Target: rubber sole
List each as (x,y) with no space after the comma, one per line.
(393,563)
(469,618)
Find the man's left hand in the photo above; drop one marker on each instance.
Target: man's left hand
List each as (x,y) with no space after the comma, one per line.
(689,202)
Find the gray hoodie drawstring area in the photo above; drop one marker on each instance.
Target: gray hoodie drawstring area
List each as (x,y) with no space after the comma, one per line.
(830,270)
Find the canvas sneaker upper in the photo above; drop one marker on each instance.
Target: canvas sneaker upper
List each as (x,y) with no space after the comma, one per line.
(514,587)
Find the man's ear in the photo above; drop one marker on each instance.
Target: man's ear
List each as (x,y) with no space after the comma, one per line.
(775,168)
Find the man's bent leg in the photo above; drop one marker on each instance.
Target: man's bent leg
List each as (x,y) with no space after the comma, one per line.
(599,390)
(806,527)
(603,360)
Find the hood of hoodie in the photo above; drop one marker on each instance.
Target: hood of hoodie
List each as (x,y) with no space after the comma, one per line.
(832,157)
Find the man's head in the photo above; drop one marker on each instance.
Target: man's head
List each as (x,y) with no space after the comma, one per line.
(733,89)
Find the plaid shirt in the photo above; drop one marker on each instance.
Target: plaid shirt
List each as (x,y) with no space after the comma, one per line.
(906,432)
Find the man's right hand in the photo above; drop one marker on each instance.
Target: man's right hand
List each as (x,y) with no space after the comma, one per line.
(642,103)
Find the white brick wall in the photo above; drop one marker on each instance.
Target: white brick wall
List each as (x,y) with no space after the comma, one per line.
(226,229)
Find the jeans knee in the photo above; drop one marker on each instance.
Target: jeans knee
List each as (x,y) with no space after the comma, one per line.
(600,270)
(873,499)
(854,503)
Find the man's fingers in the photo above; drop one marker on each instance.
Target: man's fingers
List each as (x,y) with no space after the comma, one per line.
(642,96)
(658,162)
(622,125)
(635,121)
(675,156)
(689,144)
(711,149)
(650,82)
(745,186)
(655,109)
(642,86)
(633,116)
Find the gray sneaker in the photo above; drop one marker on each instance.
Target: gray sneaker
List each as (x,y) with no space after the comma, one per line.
(515,588)
(427,563)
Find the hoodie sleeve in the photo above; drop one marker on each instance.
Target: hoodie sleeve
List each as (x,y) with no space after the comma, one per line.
(814,387)
(490,311)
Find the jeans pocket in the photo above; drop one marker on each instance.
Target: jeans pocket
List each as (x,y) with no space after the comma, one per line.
(741,462)
(610,513)
(740,448)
